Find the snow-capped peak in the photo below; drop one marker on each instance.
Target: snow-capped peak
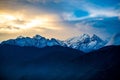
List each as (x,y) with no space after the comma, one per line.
(84,43)
(85,36)
(37,37)
(77,39)
(19,37)
(37,41)
(95,37)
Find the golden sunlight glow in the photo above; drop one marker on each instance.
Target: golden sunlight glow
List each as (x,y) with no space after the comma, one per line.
(36,22)
(15,24)
(28,20)
(19,21)
(4,18)
(8,17)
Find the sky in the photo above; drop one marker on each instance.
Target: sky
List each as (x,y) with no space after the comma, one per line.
(60,19)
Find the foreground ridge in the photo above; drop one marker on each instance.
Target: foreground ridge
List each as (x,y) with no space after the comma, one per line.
(59,63)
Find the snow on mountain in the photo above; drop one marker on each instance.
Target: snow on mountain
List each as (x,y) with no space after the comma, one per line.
(84,43)
(76,41)
(37,41)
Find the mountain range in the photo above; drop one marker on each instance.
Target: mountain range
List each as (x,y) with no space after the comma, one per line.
(84,42)
(38,58)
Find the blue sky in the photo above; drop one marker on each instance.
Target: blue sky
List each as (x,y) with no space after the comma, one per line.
(59,19)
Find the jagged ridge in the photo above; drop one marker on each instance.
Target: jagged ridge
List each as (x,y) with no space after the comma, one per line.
(84,43)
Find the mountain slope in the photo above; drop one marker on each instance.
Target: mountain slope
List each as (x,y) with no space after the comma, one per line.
(84,43)
(102,64)
(58,63)
(36,41)
(19,62)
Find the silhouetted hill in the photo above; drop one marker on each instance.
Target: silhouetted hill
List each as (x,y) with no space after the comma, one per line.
(13,53)
(58,63)
(102,64)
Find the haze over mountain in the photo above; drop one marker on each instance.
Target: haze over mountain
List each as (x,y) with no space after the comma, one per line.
(115,40)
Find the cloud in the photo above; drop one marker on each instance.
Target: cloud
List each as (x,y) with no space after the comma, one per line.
(73,16)
(43,1)
(92,10)
(24,19)
(56,18)
(103,12)
(9,28)
(87,28)
(115,40)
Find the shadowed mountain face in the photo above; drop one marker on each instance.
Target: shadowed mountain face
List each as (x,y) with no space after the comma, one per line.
(58,63)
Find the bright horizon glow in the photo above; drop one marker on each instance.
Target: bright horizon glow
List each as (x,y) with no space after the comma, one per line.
(29,22)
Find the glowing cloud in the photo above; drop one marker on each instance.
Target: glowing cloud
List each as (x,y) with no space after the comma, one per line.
(56,18)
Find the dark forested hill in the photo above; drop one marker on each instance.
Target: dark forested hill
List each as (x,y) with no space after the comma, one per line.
(58,63)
